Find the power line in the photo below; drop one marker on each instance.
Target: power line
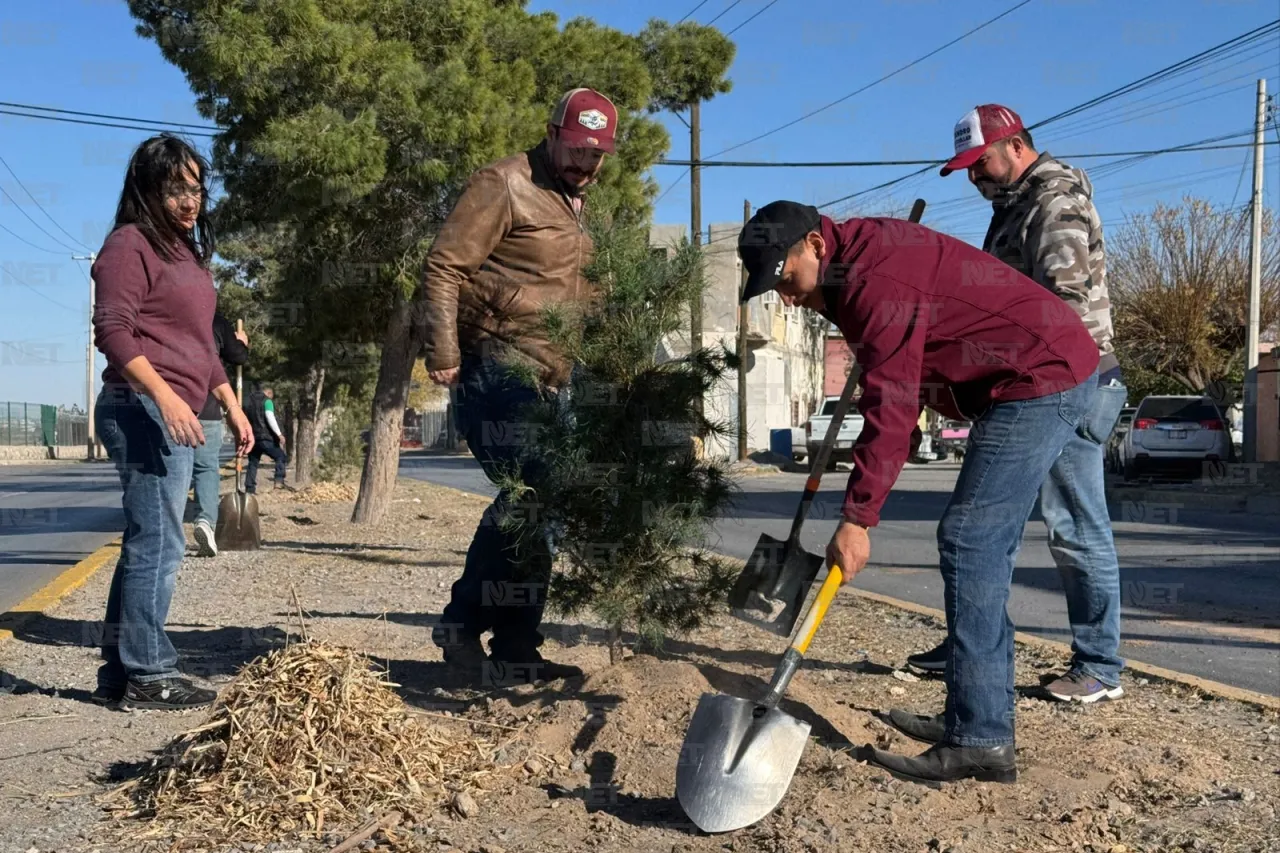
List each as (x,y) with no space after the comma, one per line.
(691,11)
(879,80)
(752,18)
(32,245)
(97,123)
(722,14)
(1148,80)
(11,274)
(934,52)
(5,193)
(9,168)
(102,115)
(874,163)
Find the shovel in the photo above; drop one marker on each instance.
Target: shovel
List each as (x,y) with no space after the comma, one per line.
(778,575)
(738,756)
(238,527)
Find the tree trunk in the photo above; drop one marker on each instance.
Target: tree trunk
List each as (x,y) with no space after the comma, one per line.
(615,644)
(304,445)
(378,480)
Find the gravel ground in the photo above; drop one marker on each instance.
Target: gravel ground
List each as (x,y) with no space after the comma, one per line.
(591,765)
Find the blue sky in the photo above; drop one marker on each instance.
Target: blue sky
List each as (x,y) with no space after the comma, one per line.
(793,58)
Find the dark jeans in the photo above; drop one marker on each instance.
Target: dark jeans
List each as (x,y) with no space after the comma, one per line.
(493,593)
(275,451)
(1011,449)
(154,475)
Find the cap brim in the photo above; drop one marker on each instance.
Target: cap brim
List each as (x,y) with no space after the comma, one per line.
(575,138)
(764,278)
(964,159)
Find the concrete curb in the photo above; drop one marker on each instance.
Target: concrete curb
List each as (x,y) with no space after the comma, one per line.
(1255,504)
(57,589)
(1204,685)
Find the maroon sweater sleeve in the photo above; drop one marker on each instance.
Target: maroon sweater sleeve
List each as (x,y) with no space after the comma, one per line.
(217,376)
(888,321)
(122,282)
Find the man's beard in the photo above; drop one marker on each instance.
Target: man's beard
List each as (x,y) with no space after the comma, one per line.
(991,190)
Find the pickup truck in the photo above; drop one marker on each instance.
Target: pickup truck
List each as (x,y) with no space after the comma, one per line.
(815,430)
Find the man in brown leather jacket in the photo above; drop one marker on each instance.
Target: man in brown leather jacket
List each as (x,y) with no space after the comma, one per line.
(515,242)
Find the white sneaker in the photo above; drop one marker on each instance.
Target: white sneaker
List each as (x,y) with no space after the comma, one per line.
(208,547)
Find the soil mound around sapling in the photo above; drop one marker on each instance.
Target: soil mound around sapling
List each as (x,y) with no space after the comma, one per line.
(321,493)
(306,738)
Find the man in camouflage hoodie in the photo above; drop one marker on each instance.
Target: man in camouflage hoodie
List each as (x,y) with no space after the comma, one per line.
(1046,227)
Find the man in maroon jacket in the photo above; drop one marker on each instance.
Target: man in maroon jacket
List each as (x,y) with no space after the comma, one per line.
(936,322)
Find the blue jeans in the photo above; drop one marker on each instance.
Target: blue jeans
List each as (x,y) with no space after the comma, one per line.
(1073,501)
(1011,449)
(494,593)
(155,474)
(205,477)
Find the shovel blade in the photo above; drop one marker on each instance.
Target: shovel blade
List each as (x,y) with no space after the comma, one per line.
(773,585)
(737,762)
(238,526)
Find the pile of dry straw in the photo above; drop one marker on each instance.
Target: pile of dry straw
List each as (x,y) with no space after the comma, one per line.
(319,493)
(308,739)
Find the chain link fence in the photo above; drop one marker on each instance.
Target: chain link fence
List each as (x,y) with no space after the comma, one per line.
(40,425)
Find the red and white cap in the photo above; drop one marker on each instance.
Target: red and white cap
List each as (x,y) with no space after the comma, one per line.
(586,119)
(980,127)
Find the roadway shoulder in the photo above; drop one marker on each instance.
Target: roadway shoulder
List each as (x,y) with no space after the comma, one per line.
(57,589)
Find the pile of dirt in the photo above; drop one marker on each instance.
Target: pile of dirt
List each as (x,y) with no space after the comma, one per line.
(307,738)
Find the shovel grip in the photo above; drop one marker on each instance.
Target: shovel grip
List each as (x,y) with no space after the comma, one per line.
(818,610)
(795,653)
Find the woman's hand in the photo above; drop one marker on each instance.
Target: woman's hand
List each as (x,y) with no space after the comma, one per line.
(244,432)
(182,423)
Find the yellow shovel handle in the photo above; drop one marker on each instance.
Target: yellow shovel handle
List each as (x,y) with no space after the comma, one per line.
(818,610)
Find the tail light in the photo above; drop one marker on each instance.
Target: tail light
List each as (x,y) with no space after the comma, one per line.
(1144,423)
(808,430)
(1213,424)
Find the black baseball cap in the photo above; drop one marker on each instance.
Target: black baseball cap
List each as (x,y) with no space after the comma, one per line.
(767,237)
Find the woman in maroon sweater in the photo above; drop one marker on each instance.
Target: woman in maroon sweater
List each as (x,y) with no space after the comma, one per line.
(154,323)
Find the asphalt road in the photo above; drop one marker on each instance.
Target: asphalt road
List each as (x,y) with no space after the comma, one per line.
(1201,591)
(52,517)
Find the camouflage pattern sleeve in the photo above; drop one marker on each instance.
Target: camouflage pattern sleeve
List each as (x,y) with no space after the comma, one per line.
(1057,251)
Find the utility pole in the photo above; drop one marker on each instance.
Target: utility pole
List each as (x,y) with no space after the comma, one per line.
(1255,286)
(89,359)
(742,353)
(695,182)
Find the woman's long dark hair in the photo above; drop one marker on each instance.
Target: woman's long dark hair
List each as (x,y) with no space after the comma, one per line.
(155,164)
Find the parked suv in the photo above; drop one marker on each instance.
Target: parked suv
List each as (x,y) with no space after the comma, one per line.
(1174,435)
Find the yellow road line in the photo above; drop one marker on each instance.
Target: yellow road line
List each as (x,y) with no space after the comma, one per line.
(57,589)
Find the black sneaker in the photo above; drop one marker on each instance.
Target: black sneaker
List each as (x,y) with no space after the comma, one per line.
(167,694)
(932,662)
(106,696)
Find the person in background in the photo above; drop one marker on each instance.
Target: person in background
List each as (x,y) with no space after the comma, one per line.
(268,438)
(232,348)
(1044,225)
(153,320)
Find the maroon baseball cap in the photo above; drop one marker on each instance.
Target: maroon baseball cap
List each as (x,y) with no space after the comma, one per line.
(586,119)
(980,127)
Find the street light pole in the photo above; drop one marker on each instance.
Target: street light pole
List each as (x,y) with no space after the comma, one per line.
(89,358)
(1255,287)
